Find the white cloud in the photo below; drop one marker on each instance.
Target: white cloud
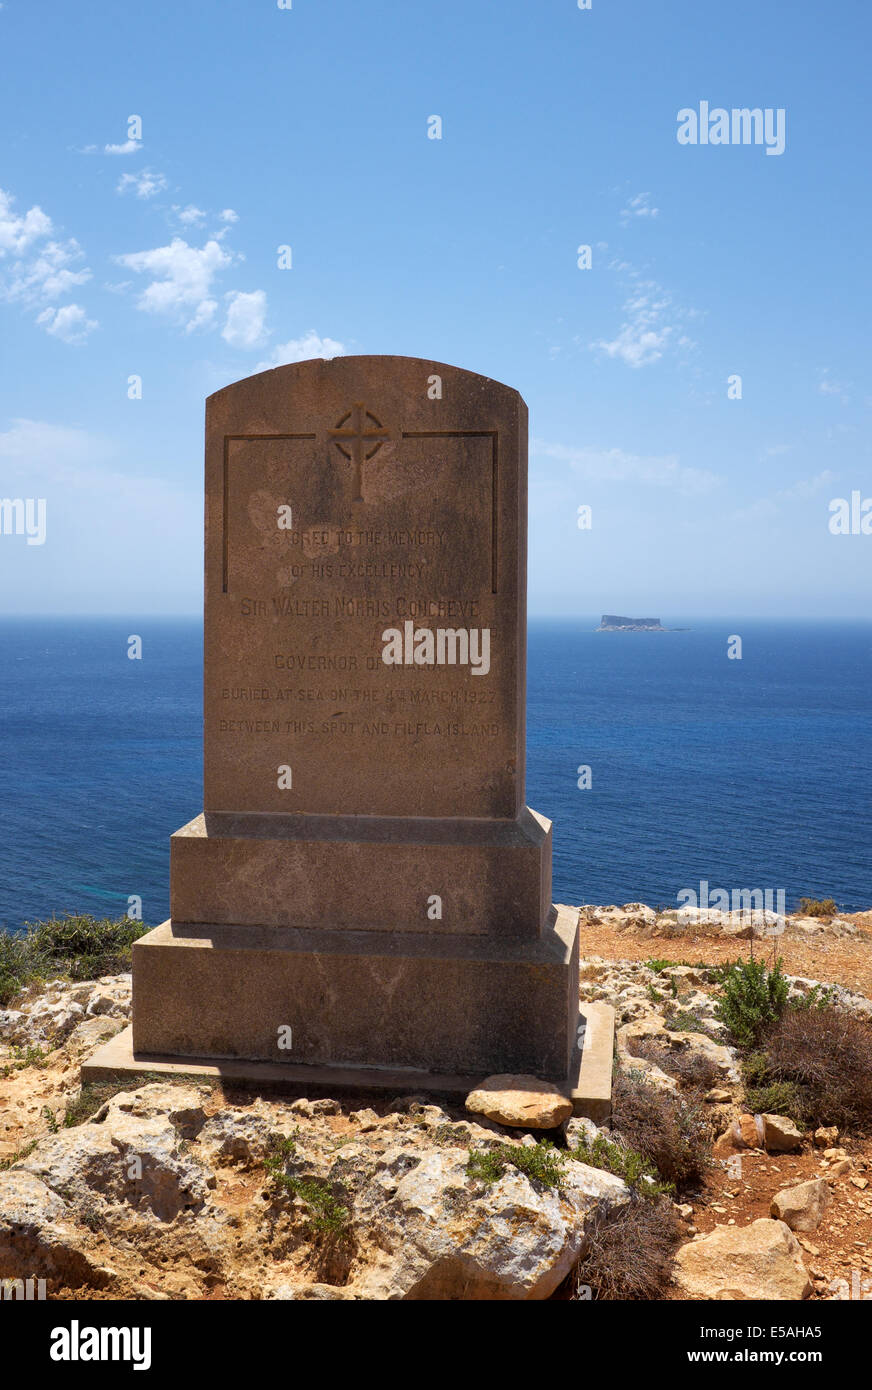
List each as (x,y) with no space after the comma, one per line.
(645,333)
(144,185)
(17,233)
(129,147)
(640,206)
(190,216)
(39,445)
(71,324)
(808,487)
(228,215)
(43,275)
(246,313)
(615,465)
(301,349)
(48,275)
(182,281)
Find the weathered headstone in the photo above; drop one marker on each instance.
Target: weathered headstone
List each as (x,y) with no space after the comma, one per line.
(366,889)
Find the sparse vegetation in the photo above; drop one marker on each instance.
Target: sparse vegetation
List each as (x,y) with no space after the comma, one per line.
(690,1068)
(821,1061)
(630,1253)
(22,1057)
(7,1163)
(683,1021)
(673,1133)
(327,1215)
(75,947)
(636,1171)
(818,907)
(540,1162)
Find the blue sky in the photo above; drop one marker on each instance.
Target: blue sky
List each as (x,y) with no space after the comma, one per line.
(307,127)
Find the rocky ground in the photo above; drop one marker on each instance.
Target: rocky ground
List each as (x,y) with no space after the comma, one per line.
(193,1191)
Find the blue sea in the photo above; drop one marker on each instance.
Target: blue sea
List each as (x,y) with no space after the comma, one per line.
(751,773)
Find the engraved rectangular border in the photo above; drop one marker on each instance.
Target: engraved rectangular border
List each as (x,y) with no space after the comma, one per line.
(492,435)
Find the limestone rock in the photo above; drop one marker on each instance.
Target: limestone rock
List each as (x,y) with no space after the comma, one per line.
(88,1034)
(802,1207)
(37,1236)
(780,1135)
(826,1137)
(745,1132)
(759,1261)
(578,1129)
(436,1233)
(243,1136)
(524,1101)
(181,1105)
(124,1158)
(653,1030)
(320,1293)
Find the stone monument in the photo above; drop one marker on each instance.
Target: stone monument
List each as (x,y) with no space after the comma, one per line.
(366,899)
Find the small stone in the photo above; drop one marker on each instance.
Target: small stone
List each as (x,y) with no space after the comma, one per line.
(310,1108)
(825,1138)
(718,1096)
(365,1120)
(580,1128)
(524,1101)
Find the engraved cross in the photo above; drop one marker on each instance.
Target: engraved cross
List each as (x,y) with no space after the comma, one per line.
(358,435)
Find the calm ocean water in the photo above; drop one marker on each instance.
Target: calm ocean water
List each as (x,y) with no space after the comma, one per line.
(745,774)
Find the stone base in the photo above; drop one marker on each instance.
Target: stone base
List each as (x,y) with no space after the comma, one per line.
(363,873)
(588,1083)
(464,1005)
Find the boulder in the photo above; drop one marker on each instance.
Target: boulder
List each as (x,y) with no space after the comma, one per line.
(429,1231)
(759,1261)
(780,1135)
(522,1101)
(802,1207)
(37,1236)
(121,1158)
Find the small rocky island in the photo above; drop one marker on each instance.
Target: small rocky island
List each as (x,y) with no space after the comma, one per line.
(613,623)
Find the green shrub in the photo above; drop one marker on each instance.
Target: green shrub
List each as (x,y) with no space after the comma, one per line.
(326,1212)
(15,967)
(83,947)
(636,1171)
(776,1098)
(79,947)
(540,1162)
(817,907)
(754,998)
